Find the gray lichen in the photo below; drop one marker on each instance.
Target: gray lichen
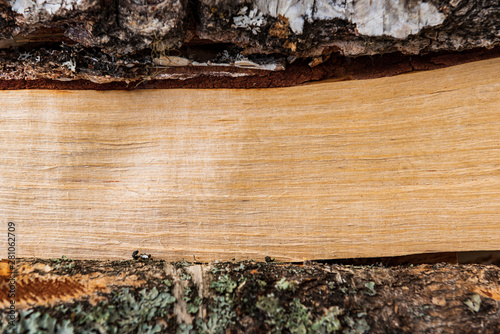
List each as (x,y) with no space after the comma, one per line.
(124,311)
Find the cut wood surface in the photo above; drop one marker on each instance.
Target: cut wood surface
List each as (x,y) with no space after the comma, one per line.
(383,167)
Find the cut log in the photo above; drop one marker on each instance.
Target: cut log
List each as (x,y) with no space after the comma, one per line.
(366,170)
(249,297)
(383,167)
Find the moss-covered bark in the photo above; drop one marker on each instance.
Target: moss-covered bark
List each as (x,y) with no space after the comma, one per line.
(248,297)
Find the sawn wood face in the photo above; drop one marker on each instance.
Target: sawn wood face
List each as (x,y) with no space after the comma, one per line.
(383,167)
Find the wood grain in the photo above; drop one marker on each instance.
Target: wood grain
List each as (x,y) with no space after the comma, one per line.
(382,167)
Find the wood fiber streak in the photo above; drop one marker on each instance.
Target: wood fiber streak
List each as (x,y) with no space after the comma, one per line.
(382,167)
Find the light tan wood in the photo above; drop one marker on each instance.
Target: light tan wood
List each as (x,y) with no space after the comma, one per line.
(383,167)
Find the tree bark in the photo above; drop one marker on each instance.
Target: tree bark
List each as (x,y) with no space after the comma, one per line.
(140,41)
(253,297)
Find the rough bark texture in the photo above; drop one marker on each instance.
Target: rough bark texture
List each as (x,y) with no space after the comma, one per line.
(126,41)
(249,297)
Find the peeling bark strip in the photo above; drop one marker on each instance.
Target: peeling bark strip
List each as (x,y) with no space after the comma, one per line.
(252,297)
(109,41)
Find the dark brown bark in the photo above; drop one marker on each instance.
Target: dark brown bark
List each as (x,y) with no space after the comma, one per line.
(131,42)
(250,297)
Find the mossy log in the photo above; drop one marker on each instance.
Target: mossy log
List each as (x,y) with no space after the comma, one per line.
(149,296)
(141,41)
